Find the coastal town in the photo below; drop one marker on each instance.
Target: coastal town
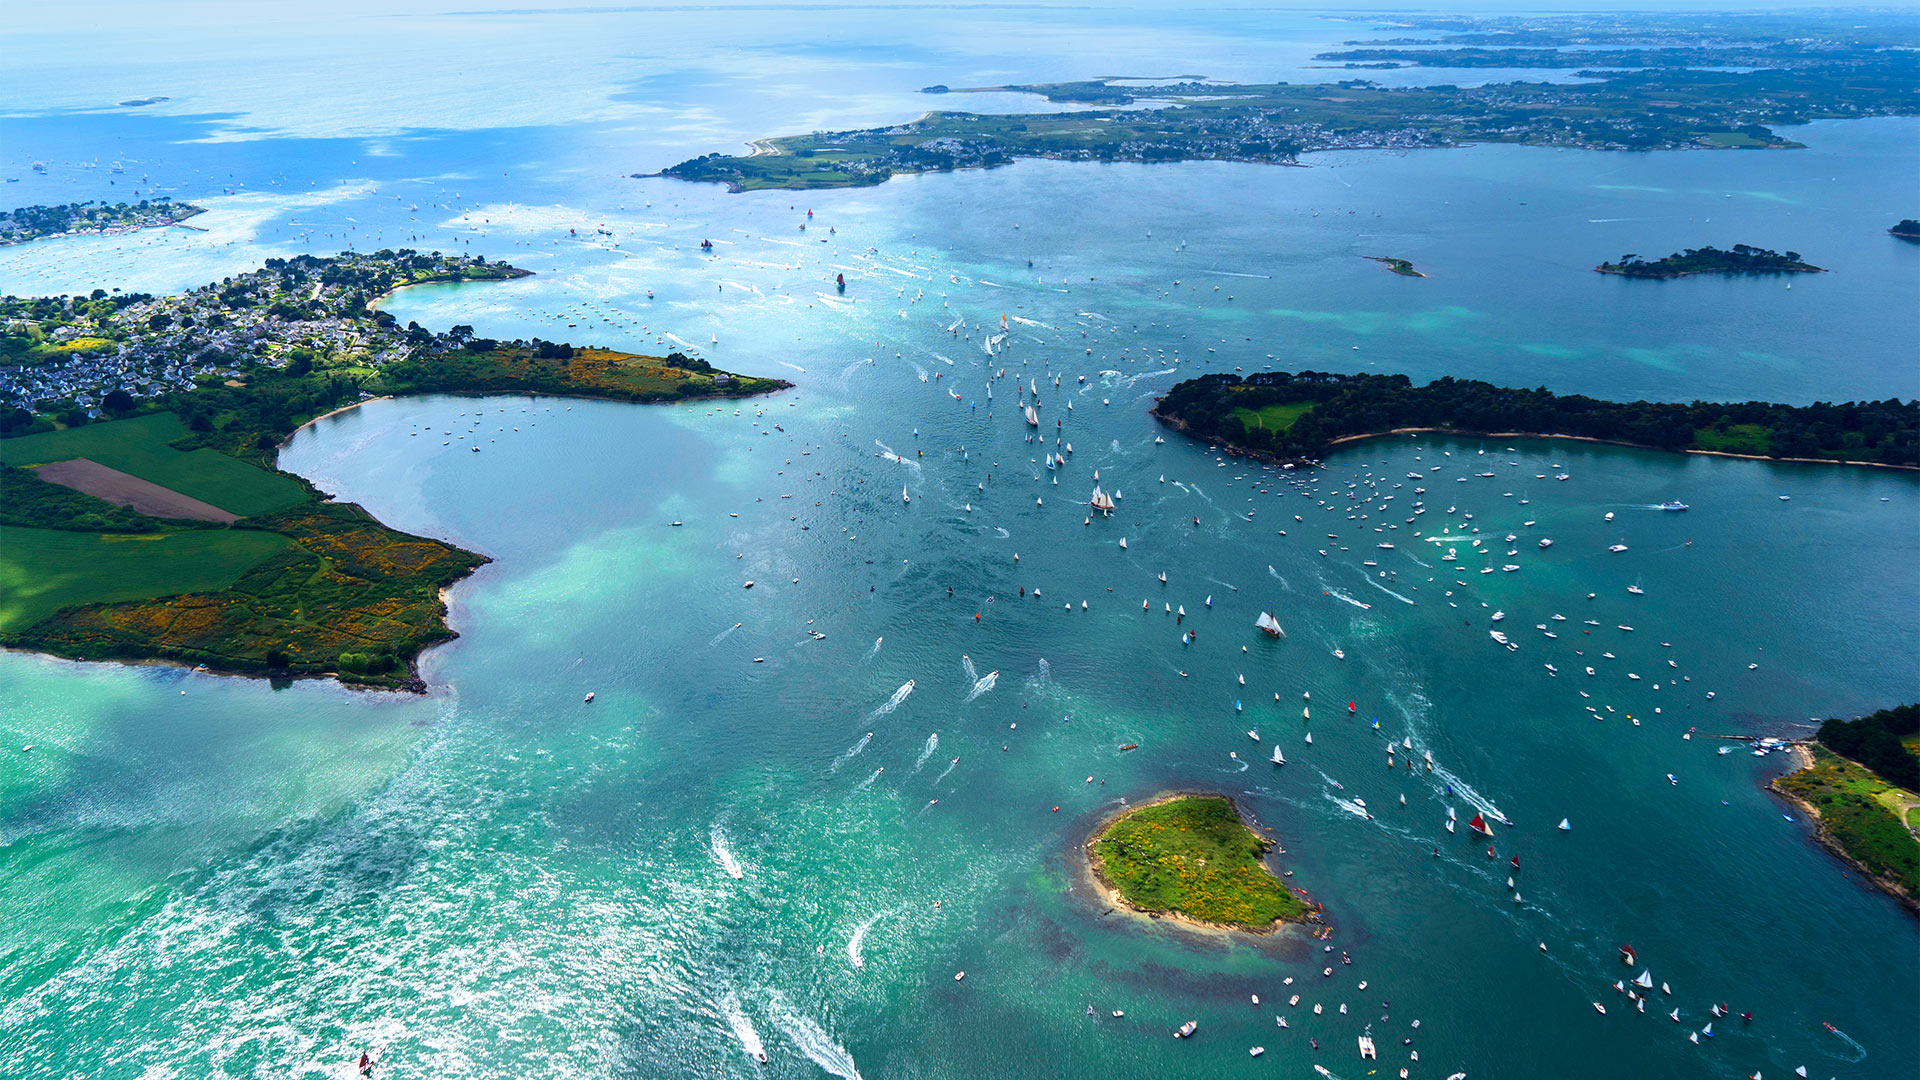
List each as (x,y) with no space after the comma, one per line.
(65,356)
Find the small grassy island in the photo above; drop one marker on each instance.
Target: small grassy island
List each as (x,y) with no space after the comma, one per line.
(142,516)
(1399,266)
(1299,416)
(1648,82)
(1860,785)
(1192,858)
(1907,229)
(1743,259)
(74,219)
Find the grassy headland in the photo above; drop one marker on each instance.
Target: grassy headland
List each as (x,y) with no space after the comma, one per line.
(1865,819)
(1191,857)
(260,572)
(1743,259)
(1304,414)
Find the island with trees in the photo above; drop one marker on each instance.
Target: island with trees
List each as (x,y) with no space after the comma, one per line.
(1906,229)
(143,518)
(1300,416)
(1859,784)
(91,218)
(1693,89)
(1402,267)
(1191,857)
(1741,259)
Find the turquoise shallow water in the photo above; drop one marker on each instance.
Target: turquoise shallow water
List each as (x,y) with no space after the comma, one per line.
(497,879)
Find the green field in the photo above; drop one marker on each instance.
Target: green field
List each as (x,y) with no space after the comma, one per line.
(1193,856)
(139,447)
(1272,417)
(1862,811)
(43,570)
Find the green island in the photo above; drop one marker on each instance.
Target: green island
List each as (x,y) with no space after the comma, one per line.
(1680,82)
(1907,229)
(1299,416)
(1192,857)
(1742,259)
(1859,784)
(83,218)
(142,517)
(1402,267)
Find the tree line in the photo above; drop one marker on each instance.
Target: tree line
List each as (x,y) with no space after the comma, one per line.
(1886,432)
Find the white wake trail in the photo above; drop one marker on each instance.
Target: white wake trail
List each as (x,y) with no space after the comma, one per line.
(814,1042)
(933,743)
(742,1027)
(985,684)
(724,854)
(893,702)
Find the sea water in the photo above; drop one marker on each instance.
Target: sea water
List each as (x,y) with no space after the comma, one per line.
(497,878)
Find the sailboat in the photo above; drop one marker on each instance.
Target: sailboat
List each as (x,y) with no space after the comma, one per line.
(1103,502)
(1565,826)
(1479,825)
(1278,757)
(1644,981)
(1033,418)
(1123,543)
(1269,624)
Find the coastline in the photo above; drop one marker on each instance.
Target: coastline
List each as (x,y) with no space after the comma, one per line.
(1602,269)
(1803,757)
(1111,896)
(512,273)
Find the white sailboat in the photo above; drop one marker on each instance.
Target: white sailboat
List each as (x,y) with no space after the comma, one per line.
(1278,757)
(1033,418)
(1103,502)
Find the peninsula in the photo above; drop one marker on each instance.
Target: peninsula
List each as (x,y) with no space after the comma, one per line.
(1300,416)
(1192,858)
(141,513)
(84,218)
(1691,91)
(1742,259)
(1859,784)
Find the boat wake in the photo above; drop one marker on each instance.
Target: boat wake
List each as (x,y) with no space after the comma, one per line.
(985,684)
(722,854)
(1338,595)
(966,665)
(868,782)
(893,702)
(852,752)
(722,634)
(1390,592)
(887,452)
(1465,791)
(814,1042)
(1859,1051)
(742,1026)
(1349,806)
(945,771)
(1275,574)
(857,944)
(933,743)
(873,652)
(1046,670)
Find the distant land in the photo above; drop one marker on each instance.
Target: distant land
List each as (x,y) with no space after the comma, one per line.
(1908,229)
(1190,857)
(1667,83)
(135,103)
(1742,259)
(1298,417)
(1859,784)
(141,513)
(72,219)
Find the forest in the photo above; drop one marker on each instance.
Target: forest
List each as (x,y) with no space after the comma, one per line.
(1251,414)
